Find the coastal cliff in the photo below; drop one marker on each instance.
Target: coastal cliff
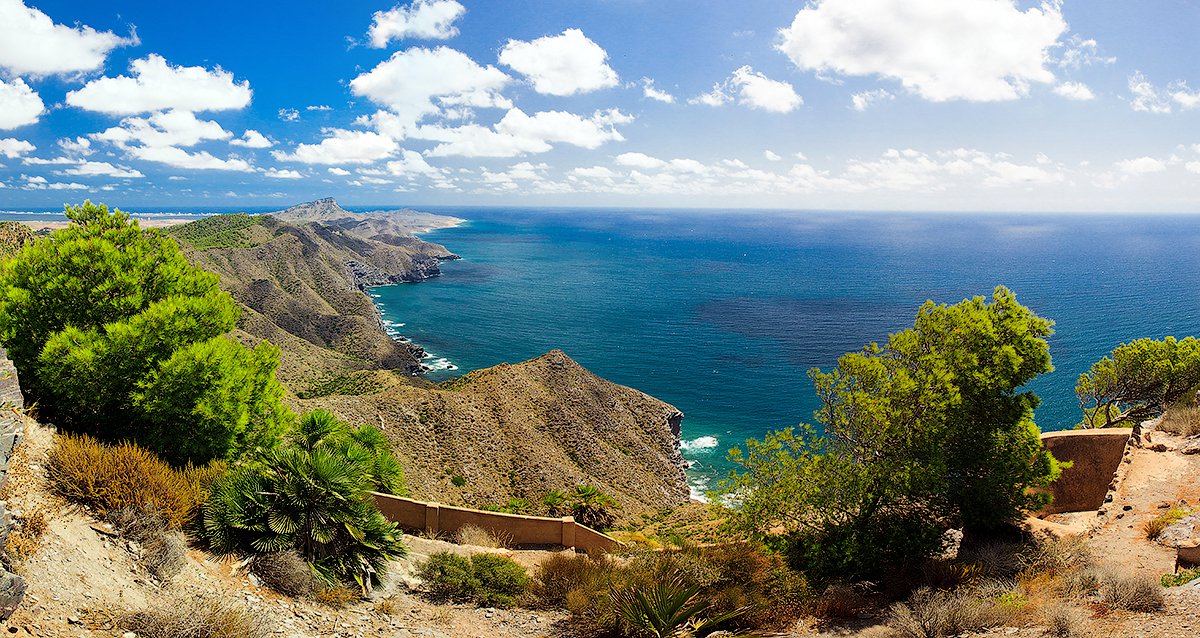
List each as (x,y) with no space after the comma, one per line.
(510,431)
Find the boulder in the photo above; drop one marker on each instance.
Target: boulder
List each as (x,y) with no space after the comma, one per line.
(12,591)
(1191,446)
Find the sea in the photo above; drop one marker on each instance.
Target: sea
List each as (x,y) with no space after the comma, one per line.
(722,314)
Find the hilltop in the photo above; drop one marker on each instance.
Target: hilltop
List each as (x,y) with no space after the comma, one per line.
(511,431)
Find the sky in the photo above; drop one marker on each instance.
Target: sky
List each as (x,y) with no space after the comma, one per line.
(923,105)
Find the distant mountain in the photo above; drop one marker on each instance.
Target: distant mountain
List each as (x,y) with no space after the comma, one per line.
(390,226)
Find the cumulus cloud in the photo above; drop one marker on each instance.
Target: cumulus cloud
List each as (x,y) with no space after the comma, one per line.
(19,105)
(1148,98)
(1141,166)
(866,99)
(1075,91)
(340,172)
(102,169)
(771,156)
(423,19)
(155,85)
(912,170)
(518,133)
(276,173)
(342,147)
(168,128)
(1078,52)
(289,115)
(318,107)
(13,148)
(418,82)
(638,160)
(753,89)
(649,91)
(976,50)
(179,158)
(31,44)
(252,139)
(564,64)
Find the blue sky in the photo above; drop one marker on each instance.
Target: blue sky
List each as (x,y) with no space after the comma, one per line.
(956,105)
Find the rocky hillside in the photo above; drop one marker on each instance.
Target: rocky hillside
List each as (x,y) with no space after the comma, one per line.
(520,430)
(306,280)
(495,434)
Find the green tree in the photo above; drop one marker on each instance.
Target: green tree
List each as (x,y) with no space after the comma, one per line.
(115,334)
(927,432)
(312,494)
(1138,381)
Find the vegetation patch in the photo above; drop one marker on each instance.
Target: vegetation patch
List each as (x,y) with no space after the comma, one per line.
(285,572)
(1181,421)
(1183,577)
(193,616)
(110,478)
(489,580)
(353,384)
(218,231)
(1153,528)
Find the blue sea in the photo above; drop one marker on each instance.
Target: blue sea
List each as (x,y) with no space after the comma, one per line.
(723,314)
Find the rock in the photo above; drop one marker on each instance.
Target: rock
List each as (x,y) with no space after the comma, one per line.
(1181,531)
(12,591)
(254,580)
(1188,552)
(1126,508)
(1158,447)
(1191,446)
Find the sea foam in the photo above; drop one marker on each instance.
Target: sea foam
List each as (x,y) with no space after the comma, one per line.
(701,444)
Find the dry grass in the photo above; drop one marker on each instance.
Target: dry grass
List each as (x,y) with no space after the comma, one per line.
(338,597)
(480,537)
(1154,527)
(163,549)
(840,600)
(931,613)
(285,572)
(192,616)
(1131,592)
(1064,621)
(110,477)
(27,539)
(385,606)
(1181,421)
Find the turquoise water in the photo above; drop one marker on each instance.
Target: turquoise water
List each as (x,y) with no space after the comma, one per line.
(723,314)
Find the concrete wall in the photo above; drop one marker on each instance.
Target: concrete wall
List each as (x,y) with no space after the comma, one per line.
(520,530)
(1096,455)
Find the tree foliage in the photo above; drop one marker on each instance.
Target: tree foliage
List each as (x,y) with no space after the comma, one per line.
(115,334)
(313,495)
(924,433)
(1138,381)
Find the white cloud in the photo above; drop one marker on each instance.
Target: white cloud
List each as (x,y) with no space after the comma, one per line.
(1149,99)
(37,182)
(318,107)
(912,170)
(754,90)
(168,128)
(179,158)
(252,139)
(411,163)
(1079,52)
(343,147)
(771,156)
(760,92)
(649,91)
(31,44)
(1192,167)
(639,160)
(340,172)
(289,115)
(19,105)
(157,85)
(1074,91)
(14,148)
(563,64)
(1141,166)
(518,133)
(418,82)
(282,174)
(863,101)
(102,169)
(423,19)
(976,50)
(77,146)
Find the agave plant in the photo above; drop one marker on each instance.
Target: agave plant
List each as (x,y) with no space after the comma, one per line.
(670,608)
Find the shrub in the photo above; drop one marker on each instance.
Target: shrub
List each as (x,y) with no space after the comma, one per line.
(108,478)
(1064,621)
(592,507)
(338,596)
(667,609)
(164,555)
(1182,577)
(501,579)
(116,335)
(486,579)
(1154,527)
(316,501)
(449,576)
(285,572)
(196,616)
(931,613)
(479,537)
(1131,592)
(1181,421)
(563,572)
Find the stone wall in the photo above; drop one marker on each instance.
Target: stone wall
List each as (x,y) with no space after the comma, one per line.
(541,531)
(1096,455)
(12,427)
